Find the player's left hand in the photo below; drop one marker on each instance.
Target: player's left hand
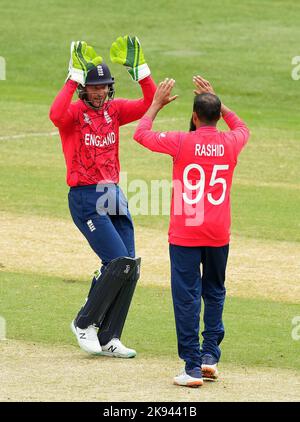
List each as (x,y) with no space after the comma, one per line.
(128,52)
(162,95)
(203,86)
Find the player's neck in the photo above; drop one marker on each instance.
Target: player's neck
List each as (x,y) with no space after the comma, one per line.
(204,124)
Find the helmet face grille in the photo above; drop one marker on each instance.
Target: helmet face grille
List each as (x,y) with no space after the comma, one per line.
(82,94)
(98,75)
(111,92)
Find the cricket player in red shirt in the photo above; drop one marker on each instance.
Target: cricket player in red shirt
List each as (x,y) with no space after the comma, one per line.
(203,163)
(89,131)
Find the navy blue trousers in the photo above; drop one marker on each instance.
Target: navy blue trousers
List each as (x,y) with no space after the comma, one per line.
(107,226)
(188,286)
(104,219)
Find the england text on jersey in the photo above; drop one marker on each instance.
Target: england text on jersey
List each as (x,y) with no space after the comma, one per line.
(99,141)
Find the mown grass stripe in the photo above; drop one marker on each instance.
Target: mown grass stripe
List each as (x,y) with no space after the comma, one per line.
(260,336)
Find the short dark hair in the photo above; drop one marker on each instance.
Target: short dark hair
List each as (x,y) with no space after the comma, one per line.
(207,107)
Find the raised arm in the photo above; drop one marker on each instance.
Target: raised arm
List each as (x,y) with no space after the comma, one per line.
(128,52)
(239,132)
(131,110)
(60,113)
(165,142)
(83,58)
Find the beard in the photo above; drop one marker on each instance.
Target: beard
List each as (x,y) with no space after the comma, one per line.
(192,125)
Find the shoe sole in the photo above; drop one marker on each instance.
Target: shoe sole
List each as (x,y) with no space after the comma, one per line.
(117,355)
(209,374)
(191,384)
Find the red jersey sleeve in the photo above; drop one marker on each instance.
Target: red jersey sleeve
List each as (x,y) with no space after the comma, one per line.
(131,110)
(239,133)
(165,142)
(60,111)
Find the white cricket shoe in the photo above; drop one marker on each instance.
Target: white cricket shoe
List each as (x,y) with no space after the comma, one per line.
(87,338)
(191,379)
(114,348)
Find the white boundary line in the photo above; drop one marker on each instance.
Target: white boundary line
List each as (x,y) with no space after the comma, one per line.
(27,135)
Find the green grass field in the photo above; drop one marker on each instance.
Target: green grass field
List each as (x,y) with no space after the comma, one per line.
(245,49)
(150,326)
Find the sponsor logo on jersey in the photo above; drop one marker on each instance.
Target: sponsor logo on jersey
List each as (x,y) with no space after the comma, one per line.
(87,119)
(99,141)
(107,117)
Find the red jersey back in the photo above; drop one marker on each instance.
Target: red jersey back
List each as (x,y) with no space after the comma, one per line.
(203,166)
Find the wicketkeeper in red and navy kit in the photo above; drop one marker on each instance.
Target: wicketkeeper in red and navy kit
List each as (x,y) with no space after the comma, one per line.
(203,163)
(89,131)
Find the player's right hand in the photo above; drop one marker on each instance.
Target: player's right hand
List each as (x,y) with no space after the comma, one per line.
(202,85)
(83,58)
(163,92)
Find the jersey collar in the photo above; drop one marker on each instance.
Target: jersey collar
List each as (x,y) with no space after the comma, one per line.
(211,129)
